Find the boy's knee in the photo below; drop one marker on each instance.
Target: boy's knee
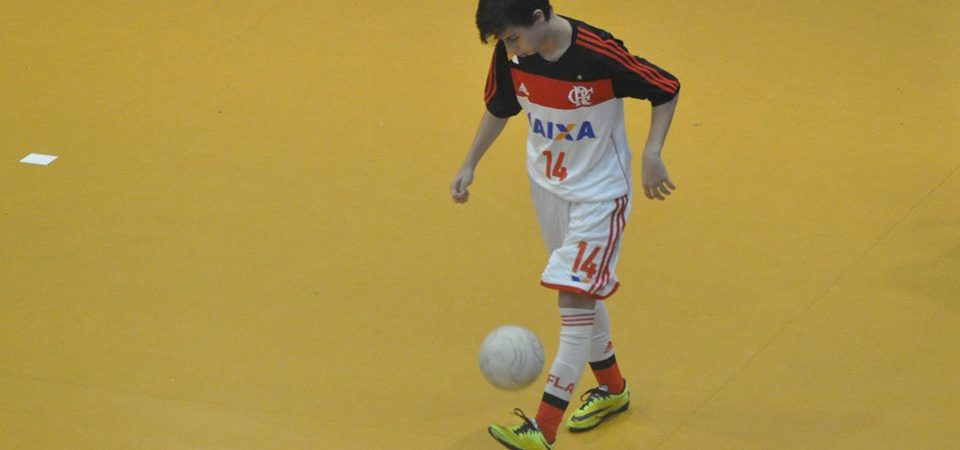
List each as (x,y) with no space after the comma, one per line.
(576,301)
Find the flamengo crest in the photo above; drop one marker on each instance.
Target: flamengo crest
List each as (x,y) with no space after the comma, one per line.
(580,96)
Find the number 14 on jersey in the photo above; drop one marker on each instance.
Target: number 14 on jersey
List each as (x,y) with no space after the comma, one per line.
(555,170)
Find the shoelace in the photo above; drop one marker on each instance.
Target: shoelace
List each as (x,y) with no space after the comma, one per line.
(593,394)
(527,426)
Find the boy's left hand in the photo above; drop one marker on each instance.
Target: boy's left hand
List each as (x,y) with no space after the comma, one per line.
(656,181)
(458,187)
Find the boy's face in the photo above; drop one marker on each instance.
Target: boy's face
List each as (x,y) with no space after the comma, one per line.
(525,41)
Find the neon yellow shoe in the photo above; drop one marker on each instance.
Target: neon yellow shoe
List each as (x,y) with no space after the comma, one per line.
(597,406)
(525,436)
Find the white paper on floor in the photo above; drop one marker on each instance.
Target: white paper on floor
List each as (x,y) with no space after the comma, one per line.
(38,159)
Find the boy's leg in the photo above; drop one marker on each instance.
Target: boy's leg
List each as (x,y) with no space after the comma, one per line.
(612,396)
(584,241)
(576,330)
(602,360)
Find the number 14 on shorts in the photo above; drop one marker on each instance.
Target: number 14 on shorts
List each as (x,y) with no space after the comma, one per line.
(587,266)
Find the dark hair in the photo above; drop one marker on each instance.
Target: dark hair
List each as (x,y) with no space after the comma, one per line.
(494,16)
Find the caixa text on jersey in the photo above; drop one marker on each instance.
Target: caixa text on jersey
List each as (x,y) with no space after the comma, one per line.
(562,131)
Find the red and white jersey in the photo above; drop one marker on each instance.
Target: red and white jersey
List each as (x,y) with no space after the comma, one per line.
(577,142)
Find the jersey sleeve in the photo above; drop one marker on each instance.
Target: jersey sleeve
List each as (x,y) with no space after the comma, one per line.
(499,96)
(645,81)
(632,76)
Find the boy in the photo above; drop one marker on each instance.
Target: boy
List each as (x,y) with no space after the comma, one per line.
(570,78)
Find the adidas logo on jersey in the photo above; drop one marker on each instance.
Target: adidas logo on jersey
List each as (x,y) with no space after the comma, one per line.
(562,132)
(522,91)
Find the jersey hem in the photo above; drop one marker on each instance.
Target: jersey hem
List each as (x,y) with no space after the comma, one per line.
(626,191)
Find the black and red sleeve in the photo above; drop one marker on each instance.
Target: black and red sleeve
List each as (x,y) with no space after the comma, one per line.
(499,95)
(632,76)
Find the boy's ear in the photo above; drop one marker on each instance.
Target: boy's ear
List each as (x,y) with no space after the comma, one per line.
(538,15)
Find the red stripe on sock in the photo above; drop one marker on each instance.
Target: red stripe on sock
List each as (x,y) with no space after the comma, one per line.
(577,320)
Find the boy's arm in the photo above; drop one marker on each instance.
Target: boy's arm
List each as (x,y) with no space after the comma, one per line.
(656,182)
(490,128)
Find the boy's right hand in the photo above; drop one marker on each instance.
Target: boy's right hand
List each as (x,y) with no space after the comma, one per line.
(458,187)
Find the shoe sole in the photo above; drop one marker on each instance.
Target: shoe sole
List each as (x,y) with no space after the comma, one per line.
(501,442)
(581,430)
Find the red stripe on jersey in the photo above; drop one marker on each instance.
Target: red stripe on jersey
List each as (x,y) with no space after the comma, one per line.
(646,72)
(560,94)
(630,66)
(652,73)
(491,89)
(617,48)
(613,50)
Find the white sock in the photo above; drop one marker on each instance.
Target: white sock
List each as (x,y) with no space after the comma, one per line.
(601,347)
(576,329)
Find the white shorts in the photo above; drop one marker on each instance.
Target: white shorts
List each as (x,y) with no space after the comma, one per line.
(583,240)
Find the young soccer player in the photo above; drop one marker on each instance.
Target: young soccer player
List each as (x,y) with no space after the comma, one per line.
(570,78)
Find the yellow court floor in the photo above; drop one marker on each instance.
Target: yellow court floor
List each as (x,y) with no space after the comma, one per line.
(247,241)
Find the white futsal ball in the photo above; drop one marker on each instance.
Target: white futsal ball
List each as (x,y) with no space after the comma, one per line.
(511,357)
